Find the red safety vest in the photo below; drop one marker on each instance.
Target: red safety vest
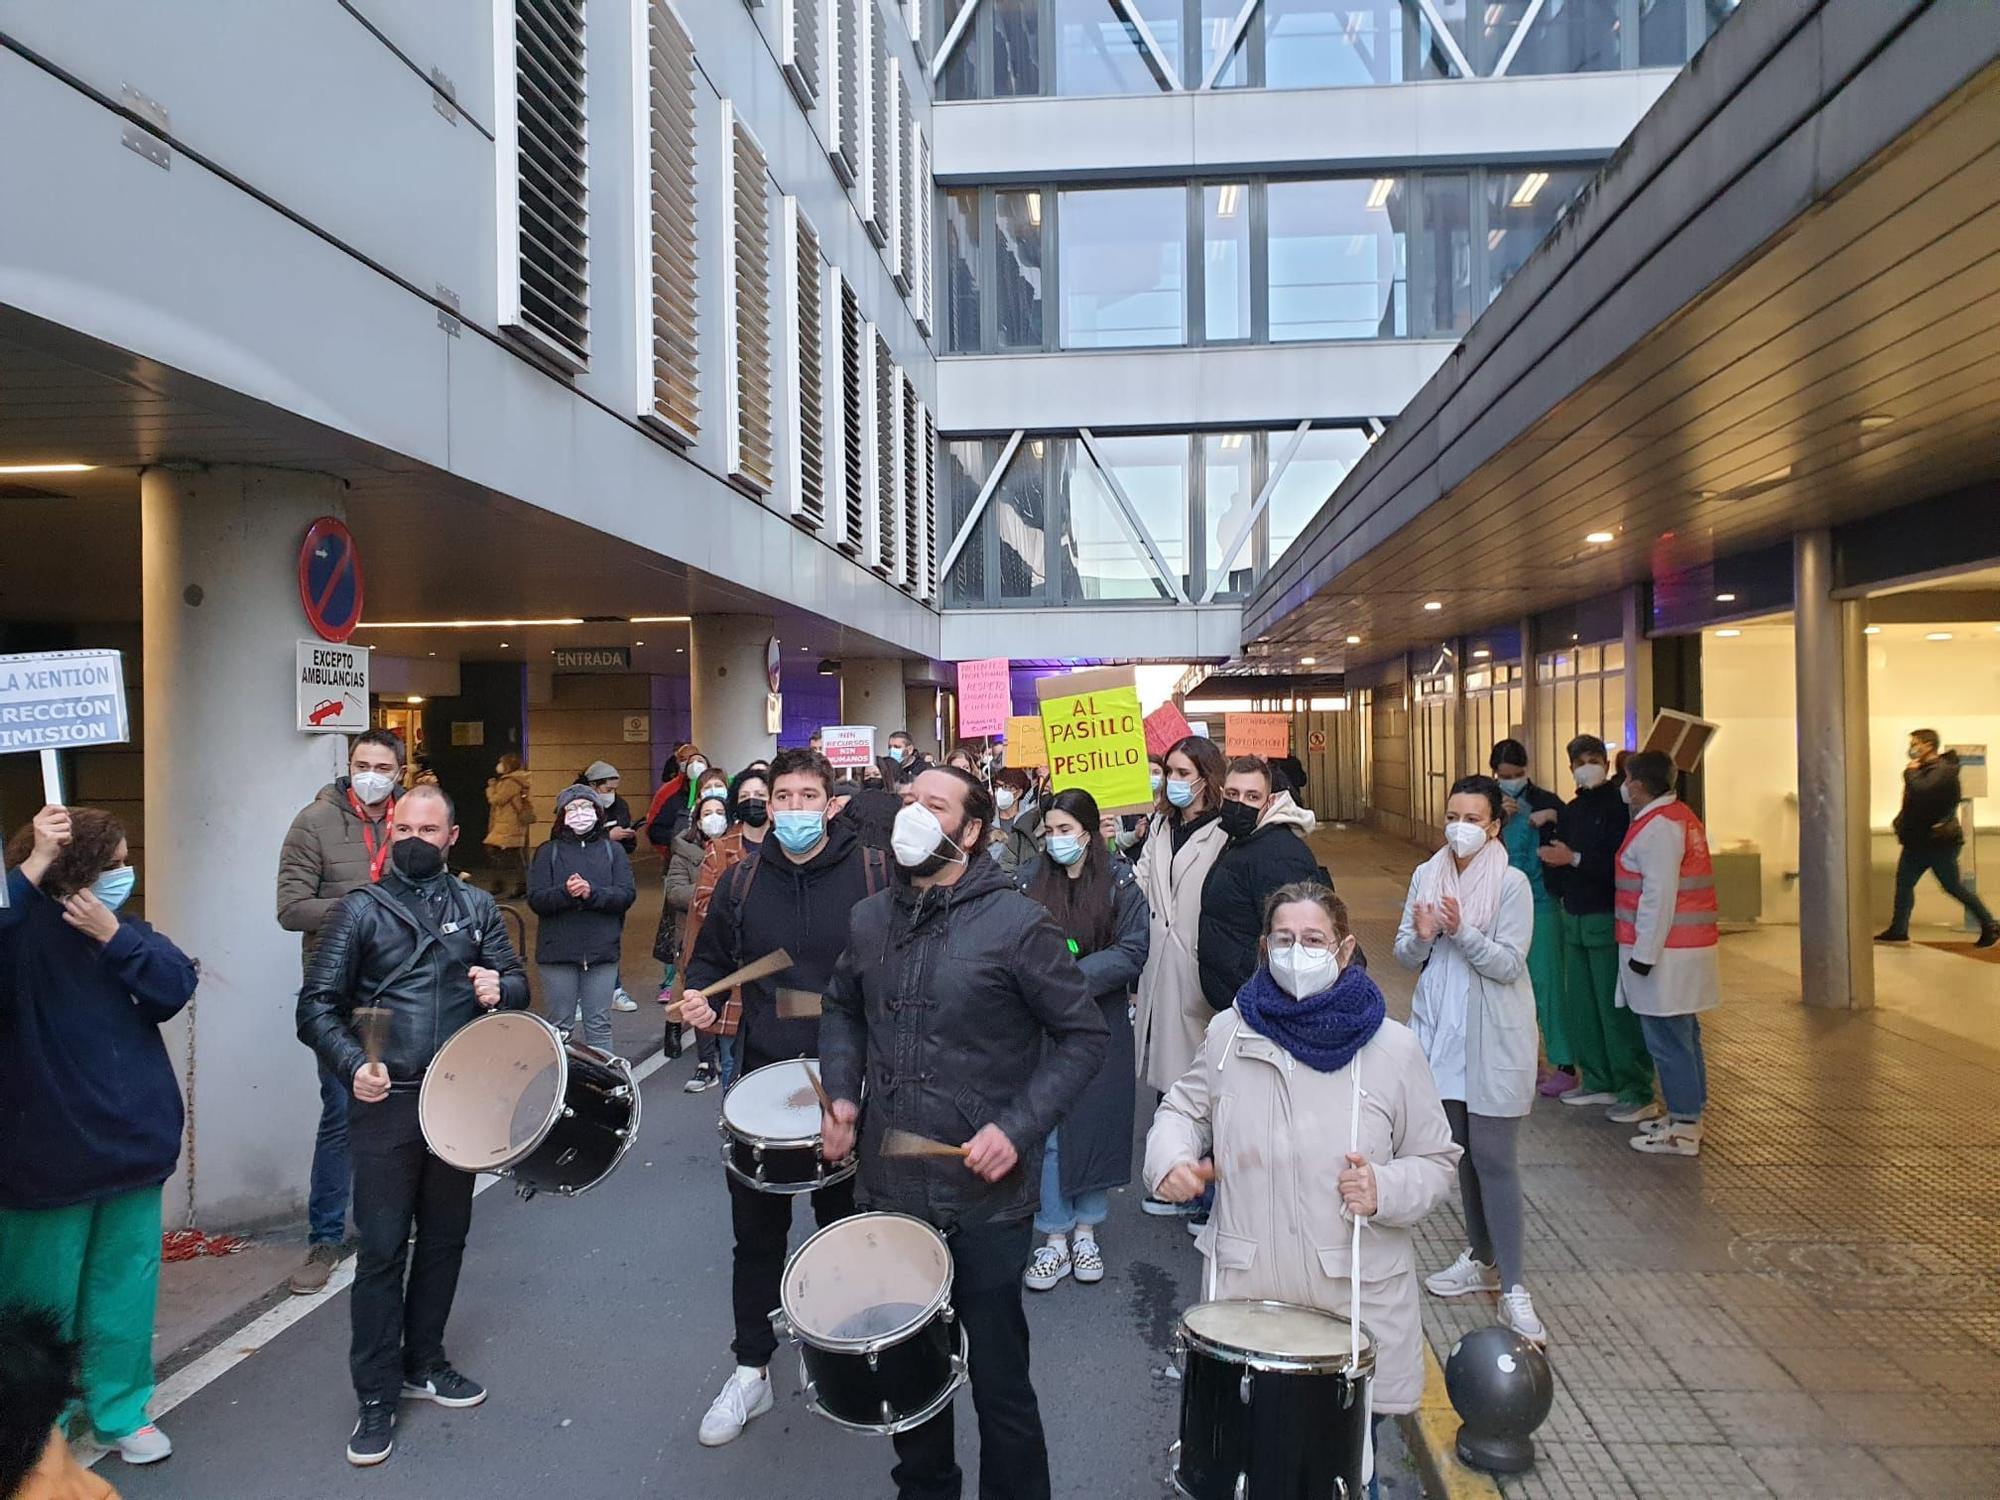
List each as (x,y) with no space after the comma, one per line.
(1694,899)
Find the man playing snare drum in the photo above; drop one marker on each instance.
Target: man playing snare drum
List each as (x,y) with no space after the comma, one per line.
(959,1002)
(796,895)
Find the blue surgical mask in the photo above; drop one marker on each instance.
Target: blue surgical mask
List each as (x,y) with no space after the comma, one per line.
(896,754)
(798,829)
(114,886)
(1065,848)
(1181,793)
(1513,786)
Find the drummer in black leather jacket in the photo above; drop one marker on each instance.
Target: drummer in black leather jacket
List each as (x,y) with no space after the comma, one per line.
(957,999)
(433,952)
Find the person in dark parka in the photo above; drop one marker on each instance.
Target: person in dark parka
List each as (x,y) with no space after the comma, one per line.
(581,886)
(1095,899)
(1266,849)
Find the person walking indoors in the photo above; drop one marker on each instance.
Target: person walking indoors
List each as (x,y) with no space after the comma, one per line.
(902,758)
(1266,848)
(1468,921)
(510,812)
(671,807)
(602,778)
(1267,1112)
(958,1001)
(1668,972)
(1529,813)
(338,842)
(1603,1038)
(1017,822)
(683,864)
(1929,837)
(581,886)
(747,819)
(1094,897)
(90,1107)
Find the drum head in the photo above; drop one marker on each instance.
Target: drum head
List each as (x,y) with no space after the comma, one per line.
(868,1279)
(774,1103)
(494,1091)
(1280,1330)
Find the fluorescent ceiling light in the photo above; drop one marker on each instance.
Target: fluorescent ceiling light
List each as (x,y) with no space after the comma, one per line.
(1871,629)
(1354,640)
(1729,635)
(1937,635)
(46,468)
(1228,198)
(1725,598)
(413,698)
(1308,661)
(463,624)
(1433,604)
(1599,538)
(1232,441)
(1035,209)
(1378,195)
(658,620)
(1875,423)
(1532,184)
(1481,654)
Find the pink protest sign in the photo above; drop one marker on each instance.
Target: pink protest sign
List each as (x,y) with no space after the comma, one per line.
(1166,726)
(984,698)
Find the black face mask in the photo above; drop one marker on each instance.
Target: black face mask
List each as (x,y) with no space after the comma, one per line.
(415,859)
(754,812)
(1238,819)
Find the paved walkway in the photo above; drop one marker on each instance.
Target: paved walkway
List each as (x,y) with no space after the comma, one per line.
(1810,1308)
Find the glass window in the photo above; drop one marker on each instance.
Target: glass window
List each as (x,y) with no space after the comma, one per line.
(966,463)
(1614,656)
(1154,472)
(1588,658)
(1226,261)
(1446,292)
(1337,259)
(1103,557)
(1122,267)
(1020,526)
(1018,236)
(1568,36)
(1315,472)
(961,270)
(1663,33)
(1218,19)
(1522,206)
(1230,490)
(1613,733)
(1098,51)
(1017,57)
(960,79)
(1332,43)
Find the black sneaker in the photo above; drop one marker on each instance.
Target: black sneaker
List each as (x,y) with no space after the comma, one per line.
(446,1387)
(374,1435)
(1988,935)
(1890,935)
(704,1079)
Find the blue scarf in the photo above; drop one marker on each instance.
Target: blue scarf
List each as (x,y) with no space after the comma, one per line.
(1323,1031)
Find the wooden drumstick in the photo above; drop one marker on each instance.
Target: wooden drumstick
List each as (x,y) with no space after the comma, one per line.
(819,1089)
(798,1005)
(909,1143)
(371,1024)
(757,968)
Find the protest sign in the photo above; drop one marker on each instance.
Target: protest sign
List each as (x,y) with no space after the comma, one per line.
(848,747)
(1025,745)
(1097,737)
(984,697)
(1165,728)
(1268,735)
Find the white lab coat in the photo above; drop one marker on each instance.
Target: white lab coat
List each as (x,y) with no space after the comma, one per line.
(1684,981)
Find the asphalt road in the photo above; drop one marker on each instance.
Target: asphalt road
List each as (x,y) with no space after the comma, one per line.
(600,1325)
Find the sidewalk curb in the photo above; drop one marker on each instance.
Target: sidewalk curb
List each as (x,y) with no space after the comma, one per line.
(1431,1432)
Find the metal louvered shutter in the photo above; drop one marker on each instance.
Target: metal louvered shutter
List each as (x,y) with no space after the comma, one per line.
(879,211)
(806,311)
(670,340)
(544,181)
(853,425)
(886,542)
(798,31)
(746,308)
(912,477)
(926,249)
(928,583)
(845,78)
(905,258)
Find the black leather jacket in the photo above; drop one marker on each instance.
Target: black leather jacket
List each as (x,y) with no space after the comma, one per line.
(374,950)
(962,1007)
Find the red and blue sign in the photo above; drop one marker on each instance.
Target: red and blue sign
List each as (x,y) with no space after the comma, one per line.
(330,579)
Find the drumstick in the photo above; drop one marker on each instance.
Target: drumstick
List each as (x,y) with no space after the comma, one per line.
(825,1100)
(909,1143)
(798,1005)
(757,968)
(371,1024)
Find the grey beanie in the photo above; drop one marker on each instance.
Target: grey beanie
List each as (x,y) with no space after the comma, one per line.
(599,770)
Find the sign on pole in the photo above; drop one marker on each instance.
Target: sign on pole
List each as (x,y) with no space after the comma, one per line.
(848,747)
(1097,737)
(1166,727)
(330,579)
(1268,735)
(61,700)
(985,698)
(333,688)
(1025,745)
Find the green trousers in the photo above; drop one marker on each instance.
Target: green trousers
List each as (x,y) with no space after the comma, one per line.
(1605,1039)
(1545,973)
(97,1265)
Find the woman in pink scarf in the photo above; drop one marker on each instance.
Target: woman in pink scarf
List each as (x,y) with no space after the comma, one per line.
(1467,926)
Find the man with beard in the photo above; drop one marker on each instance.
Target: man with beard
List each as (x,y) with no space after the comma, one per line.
(959,1002)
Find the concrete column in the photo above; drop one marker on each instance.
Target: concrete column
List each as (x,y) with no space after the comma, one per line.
(920,715)
(1639,705)
(226,771)
(871,692)
(727,688)
(1837,962)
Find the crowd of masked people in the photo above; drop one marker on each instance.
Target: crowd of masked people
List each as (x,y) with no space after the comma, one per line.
(1011,969)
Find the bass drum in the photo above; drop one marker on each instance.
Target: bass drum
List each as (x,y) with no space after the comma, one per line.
(508,1094)
(1272,1405)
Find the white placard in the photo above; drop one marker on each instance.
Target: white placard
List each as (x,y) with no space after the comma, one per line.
(638,728)
(848,747)
(333,688)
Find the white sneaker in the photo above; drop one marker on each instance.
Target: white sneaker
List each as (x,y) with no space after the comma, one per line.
(1633,1114)
(1581,1095)
(146,1446)
(1464,1276)
(1050,1264)
(1671,1138)
(1655,1125)
(622,1001)
(1086,1260)
(745,1394)
(1517,1311)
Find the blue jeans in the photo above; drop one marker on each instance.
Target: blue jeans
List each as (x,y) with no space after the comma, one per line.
(1059,1215)
(1675,1042)
(332,1167)
(1911,866)
(728,1046)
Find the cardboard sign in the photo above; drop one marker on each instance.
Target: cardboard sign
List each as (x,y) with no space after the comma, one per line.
(1097,737)
(1025,744)
(1166,727)
(848,747)
(1681,736)
(62,700)
(333,688)
(1268,735)
(985,698)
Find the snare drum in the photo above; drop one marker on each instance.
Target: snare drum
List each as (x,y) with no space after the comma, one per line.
(507,1094)
(770,1132)
(1272,1405)
(868,1301)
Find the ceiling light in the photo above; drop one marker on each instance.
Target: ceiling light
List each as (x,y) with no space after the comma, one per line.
(638,643)
(1874,423)
(1937,635)
(1599,538)
(1774,477)
(1354,640)
(1728,635)
(464,624)
(430,653)
(1725,598)
(1433,605)
(46,468)
(413,698)
(1378,195)
(503,645)
(679,650)
(1228,198)
(1308,661)
(1481,654)
(1871,629)
(1035,209)
(1232,441)
(657,620)
(1533,183)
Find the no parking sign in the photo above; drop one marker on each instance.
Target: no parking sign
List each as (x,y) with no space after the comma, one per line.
(330,579)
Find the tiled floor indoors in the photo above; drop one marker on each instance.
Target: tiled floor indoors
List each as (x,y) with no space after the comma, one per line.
(1812,1307)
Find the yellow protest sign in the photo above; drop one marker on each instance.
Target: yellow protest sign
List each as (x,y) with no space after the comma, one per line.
(1025,745)
(1097,737)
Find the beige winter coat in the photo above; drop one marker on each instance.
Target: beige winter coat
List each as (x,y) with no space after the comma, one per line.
(508,809)
(1172,1014)
(1279,1133)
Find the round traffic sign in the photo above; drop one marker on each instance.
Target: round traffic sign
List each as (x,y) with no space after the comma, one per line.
(772,658)
(330,579)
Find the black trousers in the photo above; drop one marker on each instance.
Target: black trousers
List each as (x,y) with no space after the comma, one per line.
(763,1224)
(987,1261)
(398,1327)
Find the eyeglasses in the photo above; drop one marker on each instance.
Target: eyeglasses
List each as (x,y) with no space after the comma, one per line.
(1284,942)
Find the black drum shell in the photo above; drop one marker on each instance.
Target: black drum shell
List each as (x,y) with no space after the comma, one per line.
(587,1139)
(793,1167)
(1300,1436)
(908,1375)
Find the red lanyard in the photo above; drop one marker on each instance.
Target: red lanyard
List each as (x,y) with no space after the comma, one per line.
(377,857)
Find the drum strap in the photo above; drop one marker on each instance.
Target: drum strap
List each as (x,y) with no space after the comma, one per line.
(422,920)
